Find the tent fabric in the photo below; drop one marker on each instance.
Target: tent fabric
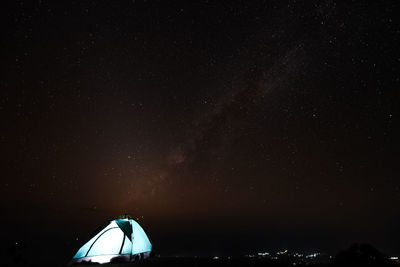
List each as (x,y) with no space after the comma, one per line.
(125,226)
(121,237)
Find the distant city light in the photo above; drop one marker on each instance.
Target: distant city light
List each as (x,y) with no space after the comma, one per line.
(263,254)
(282,252)
(294,258)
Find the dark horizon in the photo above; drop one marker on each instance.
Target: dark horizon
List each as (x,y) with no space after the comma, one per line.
(224,126)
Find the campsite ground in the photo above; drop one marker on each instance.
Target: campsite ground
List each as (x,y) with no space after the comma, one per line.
(193,262)
(190,262)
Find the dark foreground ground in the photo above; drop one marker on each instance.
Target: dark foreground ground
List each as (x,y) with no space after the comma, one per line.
(193,262)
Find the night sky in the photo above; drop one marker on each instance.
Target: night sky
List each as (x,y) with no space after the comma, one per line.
(225,127)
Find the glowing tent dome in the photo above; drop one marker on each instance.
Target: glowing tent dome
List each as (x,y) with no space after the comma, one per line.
(122,240)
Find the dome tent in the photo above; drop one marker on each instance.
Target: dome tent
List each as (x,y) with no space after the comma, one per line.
(122,240)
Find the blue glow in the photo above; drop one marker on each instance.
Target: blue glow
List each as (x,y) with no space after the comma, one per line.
(109,242)
(127,249)
(82,251)
(141,242)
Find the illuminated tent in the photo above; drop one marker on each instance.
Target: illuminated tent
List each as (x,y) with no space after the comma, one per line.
(122,240)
